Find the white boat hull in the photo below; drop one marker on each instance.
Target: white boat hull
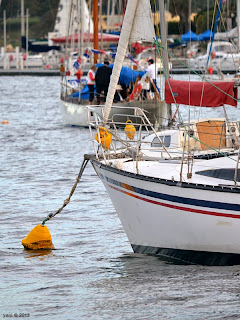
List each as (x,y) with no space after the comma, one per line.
(185,224)
(225,64)
(77,114)
(74,114)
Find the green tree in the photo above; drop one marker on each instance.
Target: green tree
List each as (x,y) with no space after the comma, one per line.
(180,8)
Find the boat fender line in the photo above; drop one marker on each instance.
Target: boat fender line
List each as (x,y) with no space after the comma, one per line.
(40,237)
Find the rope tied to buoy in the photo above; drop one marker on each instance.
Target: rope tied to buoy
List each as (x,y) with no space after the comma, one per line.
(40,237)
(66,201)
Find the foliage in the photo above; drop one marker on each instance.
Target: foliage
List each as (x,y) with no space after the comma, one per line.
(173,28)
(201,21)
(180,8)
(42,15)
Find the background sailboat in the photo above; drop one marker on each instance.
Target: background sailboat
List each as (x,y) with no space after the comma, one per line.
(74,106)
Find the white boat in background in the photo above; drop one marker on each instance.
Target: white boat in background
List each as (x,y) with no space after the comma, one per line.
(74,98)
(224,57)
(176,206)
(147,54)
(17,60)
(74,110)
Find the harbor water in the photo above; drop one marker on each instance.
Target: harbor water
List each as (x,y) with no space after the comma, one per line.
(92,273)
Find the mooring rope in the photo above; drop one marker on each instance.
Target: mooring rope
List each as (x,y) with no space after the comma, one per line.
(66,202)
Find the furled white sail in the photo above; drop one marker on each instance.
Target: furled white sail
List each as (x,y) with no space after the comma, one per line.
(137,25)
(63,16)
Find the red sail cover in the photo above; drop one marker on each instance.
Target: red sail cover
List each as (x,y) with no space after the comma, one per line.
(87,37)
(201,93)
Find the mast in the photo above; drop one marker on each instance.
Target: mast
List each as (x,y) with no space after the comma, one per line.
(121,51)
(27,28)
(167,8)
(168,110)
(22,19)
(79,6)
(238,22)
(101,29)
(95,28)
(89,23)
(207,14)
(108,13)
(82,26)
(215,28)
(4,30)
(189,16)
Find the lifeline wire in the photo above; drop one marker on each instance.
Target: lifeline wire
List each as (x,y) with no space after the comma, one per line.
(158,45)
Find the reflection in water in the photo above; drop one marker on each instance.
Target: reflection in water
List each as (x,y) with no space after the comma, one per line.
(37,253)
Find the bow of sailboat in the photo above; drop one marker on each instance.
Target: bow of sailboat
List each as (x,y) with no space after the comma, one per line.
(174,190)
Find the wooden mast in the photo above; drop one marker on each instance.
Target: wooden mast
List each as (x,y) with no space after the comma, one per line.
(95,28)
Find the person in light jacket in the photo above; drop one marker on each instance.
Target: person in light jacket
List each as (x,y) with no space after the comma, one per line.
(152,71)
(91,82)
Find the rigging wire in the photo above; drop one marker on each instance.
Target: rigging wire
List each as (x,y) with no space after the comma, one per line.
(158,45)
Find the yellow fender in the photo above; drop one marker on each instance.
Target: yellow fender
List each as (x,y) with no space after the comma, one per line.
(130,130)
(105,137)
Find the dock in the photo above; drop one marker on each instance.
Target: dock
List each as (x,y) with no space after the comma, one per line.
(49,72)
(29,72)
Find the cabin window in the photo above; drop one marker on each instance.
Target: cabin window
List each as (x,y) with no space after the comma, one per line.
(225,48)
(224,174)
(165,139)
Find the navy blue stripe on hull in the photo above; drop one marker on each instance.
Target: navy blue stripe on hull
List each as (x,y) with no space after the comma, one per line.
(177,256)
(177,199)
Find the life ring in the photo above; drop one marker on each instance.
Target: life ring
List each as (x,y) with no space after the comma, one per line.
(210,70)
(136,92)
(213,54)
(79,74)
(191,54)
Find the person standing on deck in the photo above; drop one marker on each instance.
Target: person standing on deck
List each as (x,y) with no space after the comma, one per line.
(102,79)
(91,82)
(151,70)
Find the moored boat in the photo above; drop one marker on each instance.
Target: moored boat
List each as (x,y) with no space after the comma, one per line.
(182,208)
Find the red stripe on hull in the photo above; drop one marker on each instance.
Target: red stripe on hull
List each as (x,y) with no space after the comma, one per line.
(217,214)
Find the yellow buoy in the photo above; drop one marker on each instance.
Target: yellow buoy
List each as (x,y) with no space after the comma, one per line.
(105,137)
(130,130)
(38,238)
(5,122)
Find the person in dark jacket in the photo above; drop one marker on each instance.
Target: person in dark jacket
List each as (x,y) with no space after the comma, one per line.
(102,79)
